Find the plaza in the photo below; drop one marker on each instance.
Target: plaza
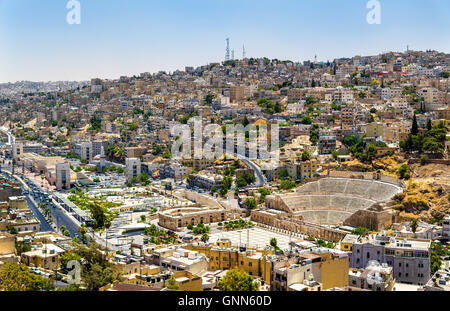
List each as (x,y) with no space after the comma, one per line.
(258,237)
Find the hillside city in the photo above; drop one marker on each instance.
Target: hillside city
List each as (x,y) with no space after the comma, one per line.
(94,198)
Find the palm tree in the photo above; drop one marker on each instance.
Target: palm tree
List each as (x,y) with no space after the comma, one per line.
(273,243)
(46,212)
(205,237)
(83,230)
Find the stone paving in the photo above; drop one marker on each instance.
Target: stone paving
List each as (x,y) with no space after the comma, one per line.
(258,237)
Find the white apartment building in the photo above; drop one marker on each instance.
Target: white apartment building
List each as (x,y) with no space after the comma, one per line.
(84,150)
(132,168)
(63,175)
(409,258)
(176,171)
(446,228)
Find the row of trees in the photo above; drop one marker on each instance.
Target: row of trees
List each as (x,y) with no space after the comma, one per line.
(433,140)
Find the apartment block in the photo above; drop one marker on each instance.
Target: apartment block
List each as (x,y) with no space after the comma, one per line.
(132,168)
(410,259)
(63,175)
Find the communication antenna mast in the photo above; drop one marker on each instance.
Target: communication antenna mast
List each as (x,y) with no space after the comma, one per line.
(227,55)
(243,52)
(232,54)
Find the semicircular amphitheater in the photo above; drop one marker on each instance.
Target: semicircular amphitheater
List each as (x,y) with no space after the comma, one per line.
(331,201)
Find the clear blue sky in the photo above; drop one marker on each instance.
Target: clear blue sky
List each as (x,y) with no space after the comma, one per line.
(126,37)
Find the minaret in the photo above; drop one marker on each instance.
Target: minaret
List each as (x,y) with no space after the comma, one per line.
(102,158)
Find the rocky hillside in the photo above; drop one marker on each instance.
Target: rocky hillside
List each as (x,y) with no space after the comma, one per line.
(427,195)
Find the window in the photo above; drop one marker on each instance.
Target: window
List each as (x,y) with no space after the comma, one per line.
(368,254)
(390,252)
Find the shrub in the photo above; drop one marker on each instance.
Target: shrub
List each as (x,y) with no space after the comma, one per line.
(423,159)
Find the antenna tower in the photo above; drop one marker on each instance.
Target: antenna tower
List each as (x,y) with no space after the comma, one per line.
(227,55)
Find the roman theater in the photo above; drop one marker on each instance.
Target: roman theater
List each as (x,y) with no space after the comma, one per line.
(364,200)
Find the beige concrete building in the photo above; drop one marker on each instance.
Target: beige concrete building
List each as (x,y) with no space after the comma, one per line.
(237,93)
(180,217)
(374,277)
(18,203)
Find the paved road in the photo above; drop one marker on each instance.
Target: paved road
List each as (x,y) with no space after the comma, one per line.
(60,216)
(11,138)
(45,226)
(260,179)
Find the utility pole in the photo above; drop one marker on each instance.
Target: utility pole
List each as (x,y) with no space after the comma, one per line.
(248,237)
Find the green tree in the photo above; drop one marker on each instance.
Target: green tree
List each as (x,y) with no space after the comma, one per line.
(264,192)
(415,127)
(65,258)
(18,277)
(404,171)
(250,203)
(437,251)
(306,120)
(287,184)
(429,125)
(12,230)
(237,281)
(22,247)
(335,154)
(306,155)
(173,283)
(274,243)
(97,271)
(144,178)
(241,182)
(205,237)
(414,224)
(362,231)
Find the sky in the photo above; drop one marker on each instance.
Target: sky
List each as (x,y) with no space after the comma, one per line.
(128,37)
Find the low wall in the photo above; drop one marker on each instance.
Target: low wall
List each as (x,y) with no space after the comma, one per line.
(429,161)
(372,220)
